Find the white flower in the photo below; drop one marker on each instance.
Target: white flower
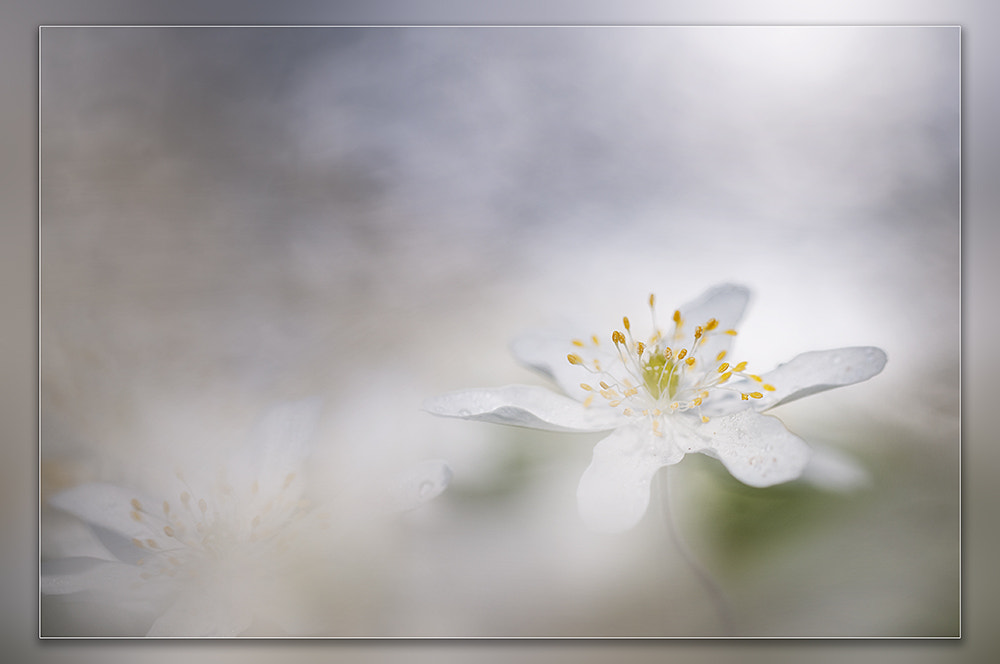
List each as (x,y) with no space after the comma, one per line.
(663,396)
(220,551)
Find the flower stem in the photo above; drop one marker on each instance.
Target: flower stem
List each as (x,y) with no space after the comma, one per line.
(723,607)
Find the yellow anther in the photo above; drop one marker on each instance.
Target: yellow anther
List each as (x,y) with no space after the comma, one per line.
(656,429)
(586,387)
(614,403)
(605,385)
(597,342)
(697,401)
(574,359)
(756,378)
(152,544)
(757,395)
(185,498)
(744,396)
(680,355)
(618,338)
(627,411)
(677,316)
(135,515)
(168,531)
(704,418)
(657,412)
(137,542)
(722,367)
(769,387)
(652,299)
(740,367)
(726,376)
(136,505)
(626,323)
(731,333)
(589,400)
(711,325)
(697,332)
(690,361)
(675,405)
(639,348)
(721,356)
(577,343)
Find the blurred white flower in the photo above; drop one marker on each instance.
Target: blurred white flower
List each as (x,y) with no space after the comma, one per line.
(662,397)
(216,554)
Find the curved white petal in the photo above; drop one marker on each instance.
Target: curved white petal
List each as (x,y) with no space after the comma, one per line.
(524,406)
(614,491)
(111,507)
(63,576)
(817,371)
(832,470)
(725,303)
(418,485)
(757,449)
(204,612)
(278,446)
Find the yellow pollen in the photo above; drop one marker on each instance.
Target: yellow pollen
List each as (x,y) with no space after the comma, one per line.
(698,332)
(657,412)
(726,376)
(136,505)
(723,367)
(731,333)
(597,342)
(769,387)
(614,403)
(690,361)
(586,387)
(711,324)
(137,542)
(697,401)
(756,395)
(135,516)
(677,316)
(617,337)
(656,429)
(675,405)
(626,323)
(740,367)
(652,299)
(577,343)
(151,544)
(589,400)
(744,396)
(704,418)
(721,356)
(756,378)
(574,359)
(680,355)
(168,531)
(605,385)
(639,348)
(627,411)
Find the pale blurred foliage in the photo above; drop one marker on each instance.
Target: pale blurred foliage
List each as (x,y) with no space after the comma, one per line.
(232,218)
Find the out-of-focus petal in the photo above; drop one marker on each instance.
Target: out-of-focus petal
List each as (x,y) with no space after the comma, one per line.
(419,484)
(756,449)
(834,471)
(278,446)
(525,406)
(200,613)
(110,507)
(726,304)
(63,576)
(613,493)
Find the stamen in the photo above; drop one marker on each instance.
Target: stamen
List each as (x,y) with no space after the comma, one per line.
(722,367)
(577,343)
(625,322)
(574,359)
(721,356)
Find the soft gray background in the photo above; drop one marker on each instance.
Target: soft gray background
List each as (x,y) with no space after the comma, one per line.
(805,338)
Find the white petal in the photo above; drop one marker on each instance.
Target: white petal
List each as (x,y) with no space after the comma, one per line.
(614,491)
(757,449)
(834,471)
(524,406)
(281,440)
(725,303)
(110,507)
(71,575)
(419,484)
(817,371)
(203,612)
(546,351)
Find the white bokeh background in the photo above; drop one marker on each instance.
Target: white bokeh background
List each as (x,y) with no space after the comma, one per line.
(235,217)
